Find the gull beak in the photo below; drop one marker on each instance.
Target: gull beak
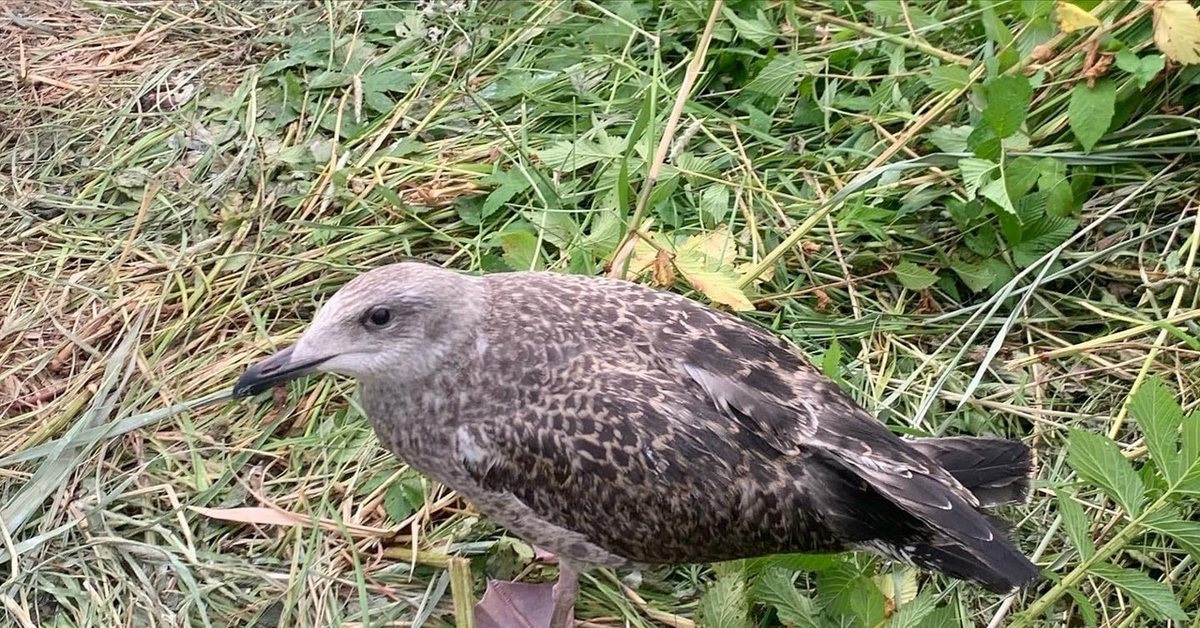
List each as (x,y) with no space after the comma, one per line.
(276,369)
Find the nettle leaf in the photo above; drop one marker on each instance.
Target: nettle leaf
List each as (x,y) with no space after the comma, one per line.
(1091,111)
(1086,608)
(758,29)
(996,192)
(1184,532)
(947,78)
(1020,175)
(975,276)
(1008,98)
(914,277)
(1098,460)
(1143,69)
(848,591)
(724,604)
(913,612)
(776,589)
(1040,236)
(975,173)
(779,77)
(1159,416)
(1154,597)
(1190,454)
(508,184)
(1077,524)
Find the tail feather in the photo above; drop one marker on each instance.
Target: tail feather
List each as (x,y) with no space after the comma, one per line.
(999,574)
(960,541)
(996,471)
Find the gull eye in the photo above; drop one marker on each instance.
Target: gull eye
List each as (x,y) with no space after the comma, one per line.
(379,315)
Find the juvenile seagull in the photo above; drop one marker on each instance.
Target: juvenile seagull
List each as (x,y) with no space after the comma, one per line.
(618,425)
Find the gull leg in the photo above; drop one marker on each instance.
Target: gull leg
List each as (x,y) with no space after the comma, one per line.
(565,592)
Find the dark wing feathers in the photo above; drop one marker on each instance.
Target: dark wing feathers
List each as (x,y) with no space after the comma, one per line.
(810,413)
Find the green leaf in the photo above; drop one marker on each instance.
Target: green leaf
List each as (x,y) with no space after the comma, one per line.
(1098,460)
(1143,69)
(776,589)
(779,77)
(1020,175)
(831,362)
(947,78)
(1159,416)
(1077,525)
(1085,605)
(950,139)
(724,604)
(757,29)
(1008,98)
(914,611)
(976,277)
(996,192)
(1154,597)
(520,250)
(848,591)
(1091,111)
(714,202)
(327,78)
(914,277)
(1183,532)
(1040,236)
(975,173)
(509,184)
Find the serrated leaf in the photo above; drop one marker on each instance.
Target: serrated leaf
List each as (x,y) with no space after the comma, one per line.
(950,139)
(714,201)
(1086,608)
(975,173)
(914,277)
(556,226)
(720,286)
(724,604)
(947,78)
(848,591)
(1077,525)
(776,589)
(1154,597)
(1071,18)
(1098,460)
(1177,30)
(779,77)
(508,184)
(1143,69)
(996,192)
(831,362)
(1008,97)
(1091,111)
(757,29)
(1158,415)
(1185,533)
(913,612)
(1040,236)
(975,276)
(1020,175)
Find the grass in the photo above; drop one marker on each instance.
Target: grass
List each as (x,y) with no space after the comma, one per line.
(184,184)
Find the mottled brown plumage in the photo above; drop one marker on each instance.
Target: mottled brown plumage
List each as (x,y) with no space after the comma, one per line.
(614,424)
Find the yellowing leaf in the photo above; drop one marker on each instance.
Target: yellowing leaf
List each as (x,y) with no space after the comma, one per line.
(721,286)
(1177,31)
(706,261)
(1072,18)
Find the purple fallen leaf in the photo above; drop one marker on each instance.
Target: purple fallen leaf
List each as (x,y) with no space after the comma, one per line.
(515,605)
